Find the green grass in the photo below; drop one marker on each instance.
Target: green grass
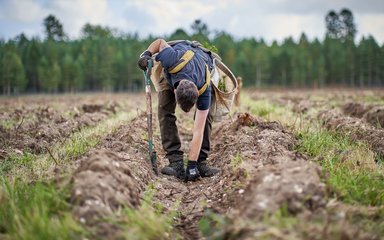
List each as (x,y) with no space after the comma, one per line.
(212,225)
(372,98)
(281,224)
(36,211)
(350,165)
(75,146)
(149,221)
(352,183)
(16,160)
(237,160)
(262,108)
(13,124)
(8,123)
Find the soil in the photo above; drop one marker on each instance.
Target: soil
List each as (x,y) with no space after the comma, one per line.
(261,173)
(356,128)
(354,109)
(269,174)
(36,128)
(112,176)
(373,114)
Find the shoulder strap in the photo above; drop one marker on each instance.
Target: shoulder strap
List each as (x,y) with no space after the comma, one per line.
(207,80)
(187,56)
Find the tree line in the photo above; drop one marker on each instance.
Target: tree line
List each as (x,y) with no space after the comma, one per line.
(103,59)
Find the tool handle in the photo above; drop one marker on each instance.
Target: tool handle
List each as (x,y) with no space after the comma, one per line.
(148,72)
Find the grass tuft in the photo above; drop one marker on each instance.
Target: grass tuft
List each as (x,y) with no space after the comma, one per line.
(237,160)
(38,211)
(354,179)
(17,160)
(212,225)
(148,221)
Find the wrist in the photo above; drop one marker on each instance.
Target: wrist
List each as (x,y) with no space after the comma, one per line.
(147,53)
(191,163)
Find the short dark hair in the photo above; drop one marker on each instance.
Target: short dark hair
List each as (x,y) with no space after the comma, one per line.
(186,94)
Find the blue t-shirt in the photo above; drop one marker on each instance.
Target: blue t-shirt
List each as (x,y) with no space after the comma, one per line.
(194,70)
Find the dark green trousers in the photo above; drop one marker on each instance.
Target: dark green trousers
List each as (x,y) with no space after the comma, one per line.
(169,134)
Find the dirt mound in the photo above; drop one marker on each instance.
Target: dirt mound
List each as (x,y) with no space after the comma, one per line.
(354,109)
(92,108)
(112,177)
(357,129)
(261,173)
(258,165)
(302,106)
(294,185)
(36,130)
(375,116)
(92,185)
(279,176)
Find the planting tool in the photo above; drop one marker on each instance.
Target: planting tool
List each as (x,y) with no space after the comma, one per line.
(151,151)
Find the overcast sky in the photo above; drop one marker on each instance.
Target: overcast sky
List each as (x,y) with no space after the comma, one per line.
(269,19)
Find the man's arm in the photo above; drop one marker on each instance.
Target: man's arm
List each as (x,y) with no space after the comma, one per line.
(157,45)
(198,133)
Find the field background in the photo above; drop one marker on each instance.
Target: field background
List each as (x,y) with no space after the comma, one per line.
(295,164)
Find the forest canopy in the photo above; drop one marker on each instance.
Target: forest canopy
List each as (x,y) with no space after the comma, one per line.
(103,59)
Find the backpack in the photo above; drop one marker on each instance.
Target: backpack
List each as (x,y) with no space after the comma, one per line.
(223,81)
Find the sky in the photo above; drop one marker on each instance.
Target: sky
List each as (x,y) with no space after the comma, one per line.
(267,19)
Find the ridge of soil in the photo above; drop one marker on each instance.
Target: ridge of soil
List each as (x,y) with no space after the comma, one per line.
(356,128)
(373,114)
(40,128)
(260,173)
(112,176)
(269,175)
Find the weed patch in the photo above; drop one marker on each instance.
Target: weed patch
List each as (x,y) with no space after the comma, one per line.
(17,160)
(38,211)
(237,160)
(352,184)
(147,221)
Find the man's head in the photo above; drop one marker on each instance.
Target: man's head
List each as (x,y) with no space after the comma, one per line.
(186,95)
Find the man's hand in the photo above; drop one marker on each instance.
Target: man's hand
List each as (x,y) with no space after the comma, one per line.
(143,60)
(198,132)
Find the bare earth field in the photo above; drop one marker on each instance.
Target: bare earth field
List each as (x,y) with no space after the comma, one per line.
(294,165)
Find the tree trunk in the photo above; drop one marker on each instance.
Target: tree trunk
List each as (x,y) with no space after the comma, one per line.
(258,76)
(284,77)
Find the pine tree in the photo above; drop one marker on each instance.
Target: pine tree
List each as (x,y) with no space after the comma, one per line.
(12,72)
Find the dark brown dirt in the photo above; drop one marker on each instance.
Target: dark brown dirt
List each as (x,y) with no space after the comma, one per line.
(355,109)
(356,128)
(373,114)
(276,175)
(38,129)
(261,173)
(267,176)
(111,177)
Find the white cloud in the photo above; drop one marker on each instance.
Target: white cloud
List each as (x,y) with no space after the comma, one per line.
(281,26)
(371,24)
(272,19)
(169,15)
(75,13)
(23,11)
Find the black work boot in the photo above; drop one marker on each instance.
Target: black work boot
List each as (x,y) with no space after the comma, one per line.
(205,170)
(192,173)
(175,168)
